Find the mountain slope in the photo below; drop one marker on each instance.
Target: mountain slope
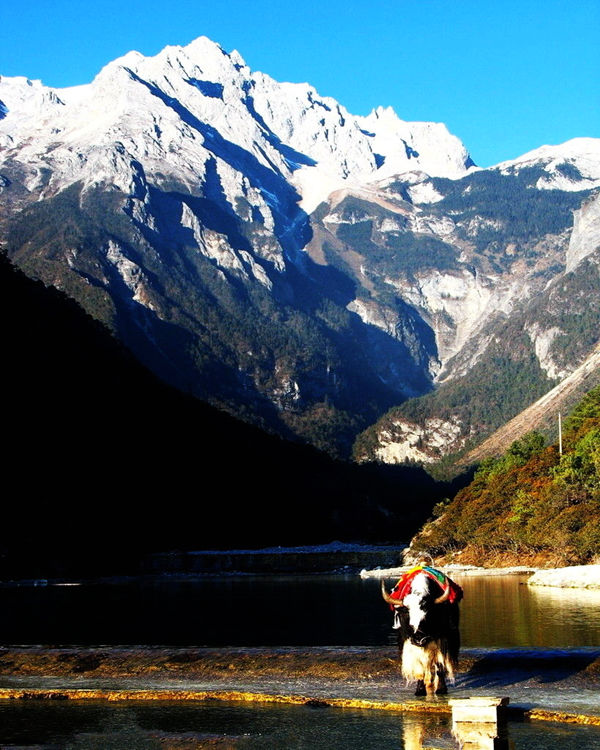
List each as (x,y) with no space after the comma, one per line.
(164,197)
(532,503)
(543,414)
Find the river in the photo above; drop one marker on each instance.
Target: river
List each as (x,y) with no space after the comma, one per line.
(312,610)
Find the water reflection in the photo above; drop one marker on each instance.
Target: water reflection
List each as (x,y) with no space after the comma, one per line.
(566,610)
(504,612)
(233,726)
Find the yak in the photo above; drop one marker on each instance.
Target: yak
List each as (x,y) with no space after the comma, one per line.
(426,615)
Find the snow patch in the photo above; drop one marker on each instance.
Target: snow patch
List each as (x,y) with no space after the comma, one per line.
(424,192)
(573,165)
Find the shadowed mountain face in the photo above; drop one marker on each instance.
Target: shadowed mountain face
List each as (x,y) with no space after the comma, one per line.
(103,462)
(257,246)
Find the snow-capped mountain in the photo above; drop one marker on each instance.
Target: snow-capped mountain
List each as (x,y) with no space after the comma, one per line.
(258,245)
(161,109)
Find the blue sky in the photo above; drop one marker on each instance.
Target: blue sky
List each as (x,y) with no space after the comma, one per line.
(505,76)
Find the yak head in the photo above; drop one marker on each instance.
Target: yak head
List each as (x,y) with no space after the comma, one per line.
(421,618)
(422,603)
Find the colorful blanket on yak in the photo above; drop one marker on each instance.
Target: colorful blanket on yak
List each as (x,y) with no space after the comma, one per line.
(403,587)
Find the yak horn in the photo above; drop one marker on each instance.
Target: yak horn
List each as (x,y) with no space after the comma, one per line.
(444,597)
(387,597)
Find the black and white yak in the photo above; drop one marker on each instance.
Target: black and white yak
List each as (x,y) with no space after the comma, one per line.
(427,620)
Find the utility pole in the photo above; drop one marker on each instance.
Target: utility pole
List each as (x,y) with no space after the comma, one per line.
(559,434)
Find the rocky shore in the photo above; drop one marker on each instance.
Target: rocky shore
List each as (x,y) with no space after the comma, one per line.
(577,576)
(552,685)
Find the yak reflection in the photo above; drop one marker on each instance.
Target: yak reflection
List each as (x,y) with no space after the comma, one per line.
(412,735)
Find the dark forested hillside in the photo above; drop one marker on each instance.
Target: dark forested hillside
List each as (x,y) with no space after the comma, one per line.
(102,461)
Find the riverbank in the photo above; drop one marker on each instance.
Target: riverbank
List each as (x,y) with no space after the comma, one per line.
(322,558)
(557,685)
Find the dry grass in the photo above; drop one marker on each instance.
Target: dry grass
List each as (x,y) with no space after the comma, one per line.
(200,663)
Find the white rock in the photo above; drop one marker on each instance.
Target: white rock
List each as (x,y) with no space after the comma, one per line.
(542,340)
(412,442)
(130,272)
(585,238)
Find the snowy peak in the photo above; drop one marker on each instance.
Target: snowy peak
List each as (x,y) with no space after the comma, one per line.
(415,146)
(572,166)
(200,56)
(165,109)
(23,98)
(576,148)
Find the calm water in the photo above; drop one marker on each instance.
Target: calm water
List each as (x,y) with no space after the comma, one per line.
(231,726)
(279,611)
(284,611)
